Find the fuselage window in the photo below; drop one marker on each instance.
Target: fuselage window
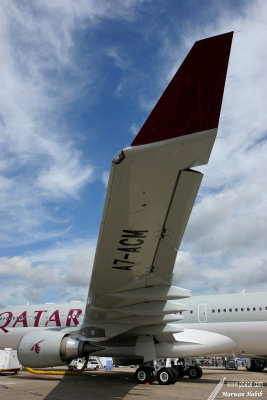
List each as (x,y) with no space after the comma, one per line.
(236,309)
(260,308)
(254,308)
(265,307)
(191,311)
(219,310)
(224,310)
(213,311)
(248,309)
(230,310)
(242,309)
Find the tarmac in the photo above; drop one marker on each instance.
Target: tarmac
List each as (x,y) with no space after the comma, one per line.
(216,383)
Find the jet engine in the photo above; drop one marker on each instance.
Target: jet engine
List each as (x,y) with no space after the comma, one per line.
(49,348)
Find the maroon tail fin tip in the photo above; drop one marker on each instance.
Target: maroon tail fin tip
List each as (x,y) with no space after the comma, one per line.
(192,101)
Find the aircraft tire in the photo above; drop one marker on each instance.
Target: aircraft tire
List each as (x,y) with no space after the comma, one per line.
(166,376)
(257,365)
(194,372)
(144,375)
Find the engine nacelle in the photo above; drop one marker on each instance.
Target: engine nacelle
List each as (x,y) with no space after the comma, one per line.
(47,348)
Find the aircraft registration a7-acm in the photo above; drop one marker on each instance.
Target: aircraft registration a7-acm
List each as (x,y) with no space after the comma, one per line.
(133,313)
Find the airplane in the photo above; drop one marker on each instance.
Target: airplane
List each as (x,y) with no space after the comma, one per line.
(132,307)
(234,318)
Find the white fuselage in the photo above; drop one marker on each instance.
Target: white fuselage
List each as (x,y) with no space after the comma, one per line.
(239,317)
(242,317)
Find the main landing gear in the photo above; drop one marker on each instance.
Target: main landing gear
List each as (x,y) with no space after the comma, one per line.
(255,365)
(166,375)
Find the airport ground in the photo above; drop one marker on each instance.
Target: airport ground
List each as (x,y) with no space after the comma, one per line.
(119,384)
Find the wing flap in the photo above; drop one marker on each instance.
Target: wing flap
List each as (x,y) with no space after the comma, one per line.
(183,199)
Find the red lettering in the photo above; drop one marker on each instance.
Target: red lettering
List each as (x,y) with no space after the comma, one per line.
(38,316)
(55,319)
(10,315)
(72,316)
(22,318)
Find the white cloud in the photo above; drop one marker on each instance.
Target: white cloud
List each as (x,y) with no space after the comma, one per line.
(105,177)
(134,128)
(79,268)
(63,270)
(65,178)
(40,77)
(39,161)
(118,60)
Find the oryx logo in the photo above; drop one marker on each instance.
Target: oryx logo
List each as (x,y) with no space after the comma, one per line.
(36,347)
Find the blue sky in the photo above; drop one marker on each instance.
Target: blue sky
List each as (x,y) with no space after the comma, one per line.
(78,80)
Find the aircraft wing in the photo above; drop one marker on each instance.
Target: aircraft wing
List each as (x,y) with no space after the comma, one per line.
(151,191)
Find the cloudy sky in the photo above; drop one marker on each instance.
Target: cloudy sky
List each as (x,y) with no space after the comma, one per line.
(78,79)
